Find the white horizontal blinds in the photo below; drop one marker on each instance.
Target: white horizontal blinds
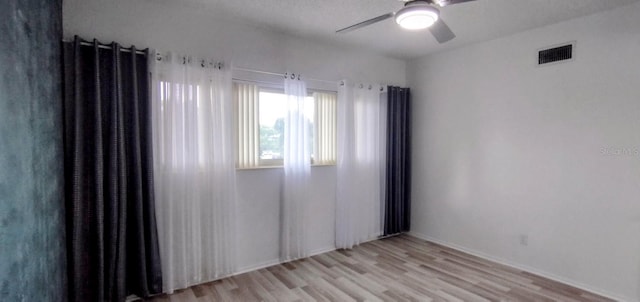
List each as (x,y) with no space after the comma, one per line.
(247,124)
(325,128)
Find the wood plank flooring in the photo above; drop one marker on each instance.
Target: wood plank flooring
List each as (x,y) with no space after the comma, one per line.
(401,268)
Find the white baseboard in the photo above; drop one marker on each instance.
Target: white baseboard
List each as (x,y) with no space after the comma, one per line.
(247,269)
(273,262)
(131,298)
(518,266)
(322,251)
(255,267)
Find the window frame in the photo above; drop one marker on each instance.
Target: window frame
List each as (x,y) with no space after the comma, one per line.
(279,88)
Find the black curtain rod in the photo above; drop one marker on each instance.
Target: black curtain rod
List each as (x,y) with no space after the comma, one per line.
(107,46)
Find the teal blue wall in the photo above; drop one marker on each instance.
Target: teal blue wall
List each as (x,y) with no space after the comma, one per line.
(32,246)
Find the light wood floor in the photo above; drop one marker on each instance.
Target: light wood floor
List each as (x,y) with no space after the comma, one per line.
(401,268)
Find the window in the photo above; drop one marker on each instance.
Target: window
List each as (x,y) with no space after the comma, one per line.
(325,128)
(260,113)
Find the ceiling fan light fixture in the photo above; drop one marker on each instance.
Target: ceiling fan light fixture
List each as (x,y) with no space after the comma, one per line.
(417,16)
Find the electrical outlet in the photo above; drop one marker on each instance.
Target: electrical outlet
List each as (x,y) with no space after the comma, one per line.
(524,239)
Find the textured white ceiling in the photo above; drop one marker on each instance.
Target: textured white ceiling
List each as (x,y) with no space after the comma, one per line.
(472,22)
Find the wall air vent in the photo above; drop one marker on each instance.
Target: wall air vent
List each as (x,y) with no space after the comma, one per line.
(556,54)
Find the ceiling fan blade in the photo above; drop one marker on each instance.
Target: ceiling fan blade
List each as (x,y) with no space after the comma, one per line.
(365,23)
(441,32)
(450,2)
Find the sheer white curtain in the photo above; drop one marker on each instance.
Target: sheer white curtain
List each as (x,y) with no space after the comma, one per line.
(361,164)
(194,169)
(297,170)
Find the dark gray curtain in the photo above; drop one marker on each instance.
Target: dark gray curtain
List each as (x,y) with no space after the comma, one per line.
(112,238)
(397,216)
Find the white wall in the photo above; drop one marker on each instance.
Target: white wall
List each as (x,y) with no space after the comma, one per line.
(504,148)
(259,217)
(176,28)
(501,147)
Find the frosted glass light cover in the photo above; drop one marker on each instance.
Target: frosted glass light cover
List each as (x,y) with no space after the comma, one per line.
(416,17)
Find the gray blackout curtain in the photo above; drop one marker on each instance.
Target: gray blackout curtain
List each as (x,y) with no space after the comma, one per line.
(397,208)
(112,239)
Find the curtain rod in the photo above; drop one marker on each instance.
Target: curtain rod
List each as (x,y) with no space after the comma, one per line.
(280,74)
(270,84)
(277,85)
(106,46)
(341,83)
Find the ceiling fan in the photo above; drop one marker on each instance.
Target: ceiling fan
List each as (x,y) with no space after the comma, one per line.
(416,14)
